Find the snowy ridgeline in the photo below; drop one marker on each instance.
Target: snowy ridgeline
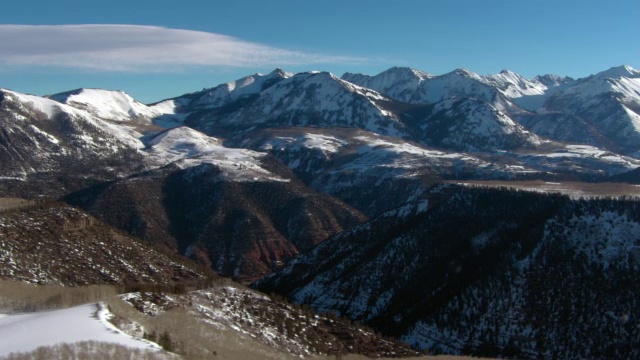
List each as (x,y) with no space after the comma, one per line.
(460,124)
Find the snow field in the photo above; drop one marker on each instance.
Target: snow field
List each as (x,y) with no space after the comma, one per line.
(89,322)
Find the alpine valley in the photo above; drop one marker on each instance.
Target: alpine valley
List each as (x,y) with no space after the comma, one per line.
(491,215)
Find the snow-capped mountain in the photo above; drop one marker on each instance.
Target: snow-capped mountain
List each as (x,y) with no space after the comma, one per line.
(469,124)
(105,104)
(599,110)
(608,101)
(45,142)
(417,87)
(230,92)
(458,111)
(304,99)
(174,111)
(514,85)
(400,83)
(552,80)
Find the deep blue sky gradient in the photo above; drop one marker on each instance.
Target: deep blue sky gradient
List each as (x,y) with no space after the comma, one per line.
(565,37)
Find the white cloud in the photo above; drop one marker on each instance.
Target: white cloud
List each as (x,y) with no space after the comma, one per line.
(139,49)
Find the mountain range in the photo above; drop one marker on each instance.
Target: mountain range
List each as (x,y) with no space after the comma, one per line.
(350,193)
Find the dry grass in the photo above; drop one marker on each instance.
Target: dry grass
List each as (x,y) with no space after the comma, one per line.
(22,297)
(194,339)
(7,203)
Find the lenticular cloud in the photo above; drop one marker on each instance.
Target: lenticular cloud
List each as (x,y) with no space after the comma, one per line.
(138,48)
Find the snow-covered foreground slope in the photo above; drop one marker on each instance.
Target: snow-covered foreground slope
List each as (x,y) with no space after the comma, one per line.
(26,332)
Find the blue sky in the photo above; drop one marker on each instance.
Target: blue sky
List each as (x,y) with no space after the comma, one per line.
(574,38)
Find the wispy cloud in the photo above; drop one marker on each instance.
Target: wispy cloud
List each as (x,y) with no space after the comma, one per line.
(134,48)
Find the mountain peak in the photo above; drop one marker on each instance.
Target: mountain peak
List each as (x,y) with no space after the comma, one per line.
(552,80)
(107,104)
(63,96)
(278,72)
(408,71)
(619,71)
(508,74)
(464,73)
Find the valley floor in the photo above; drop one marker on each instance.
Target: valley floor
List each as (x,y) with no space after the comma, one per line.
(572,189)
